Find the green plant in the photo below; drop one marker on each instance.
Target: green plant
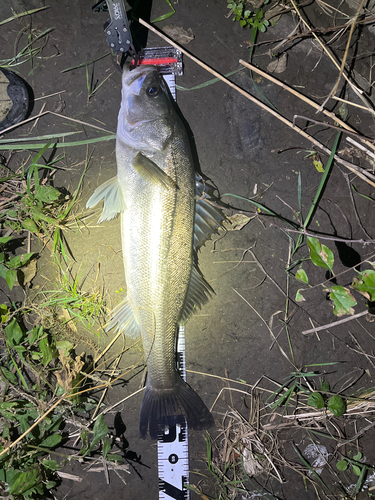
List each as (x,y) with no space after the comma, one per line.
(295,384)
(342,300)
(10,267)
(359,469)
(335,403)
(38,207)
(81,306)
(34,368)
(246,17)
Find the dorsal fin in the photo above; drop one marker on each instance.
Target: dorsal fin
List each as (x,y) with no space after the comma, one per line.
(207,217)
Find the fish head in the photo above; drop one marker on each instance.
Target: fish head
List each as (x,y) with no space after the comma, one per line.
(146,117)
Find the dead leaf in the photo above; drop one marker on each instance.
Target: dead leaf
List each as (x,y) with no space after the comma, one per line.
(29,271)
(178,34)
(67,374)
(237,222)
(279,65)
(69,321)
(272,13)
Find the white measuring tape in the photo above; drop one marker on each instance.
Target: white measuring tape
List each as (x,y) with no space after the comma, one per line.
(173,450)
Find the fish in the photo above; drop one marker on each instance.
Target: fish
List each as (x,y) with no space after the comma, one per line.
(166,216)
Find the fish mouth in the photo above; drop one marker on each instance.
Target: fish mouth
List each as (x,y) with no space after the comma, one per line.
(137,76)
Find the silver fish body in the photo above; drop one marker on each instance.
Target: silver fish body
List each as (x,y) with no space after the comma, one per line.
(155,191)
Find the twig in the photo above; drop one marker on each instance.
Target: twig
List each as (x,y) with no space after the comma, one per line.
(353,24)
(359,146)
(348,102)
(362,431)
(355,89)
(324,124)
(56,114)
(361,351)
(72,477)
(303,98)
(50,95)
(346,176)
(354,168)
(330,238)
(335,323)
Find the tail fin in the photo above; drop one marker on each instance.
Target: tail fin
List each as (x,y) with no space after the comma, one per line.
(160,408)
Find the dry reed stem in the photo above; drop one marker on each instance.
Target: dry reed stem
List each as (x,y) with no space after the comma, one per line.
(354,168)
(355,89)
(353,24)
(55,114)
(335,323)
(305,99)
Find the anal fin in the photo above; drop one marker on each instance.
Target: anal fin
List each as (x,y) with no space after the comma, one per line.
(123,319)
(198,293)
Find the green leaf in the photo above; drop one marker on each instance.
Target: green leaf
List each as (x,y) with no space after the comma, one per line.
(46,350)
(325,386)
(342,465)
(23,481)
(316,400)
(358,456)
(299,297)
(364,283)
(13,332)
(337,405)
(64,345)
(36,332)
(356,470)
(5,239)
(320,255)
(46,194)
(10,376)
(3,271)
(51,441)
(11,277)
(343,300)
(302,276)
(100,431)
(50,485)
(115,458)
(30,225)
(20,260)
(242,23)
(106,447)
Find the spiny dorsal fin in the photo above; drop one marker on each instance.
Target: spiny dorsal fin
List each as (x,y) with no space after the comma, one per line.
(207,218)
(113,199)
(122,318)
(150,172)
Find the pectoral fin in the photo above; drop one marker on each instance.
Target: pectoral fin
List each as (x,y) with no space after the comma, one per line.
(150,172)
(113,199)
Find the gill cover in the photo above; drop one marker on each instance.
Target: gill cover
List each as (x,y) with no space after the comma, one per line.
(145,117)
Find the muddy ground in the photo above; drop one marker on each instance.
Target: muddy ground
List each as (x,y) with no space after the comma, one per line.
(241,150)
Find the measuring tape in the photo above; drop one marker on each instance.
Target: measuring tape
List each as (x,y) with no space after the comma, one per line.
(173,451)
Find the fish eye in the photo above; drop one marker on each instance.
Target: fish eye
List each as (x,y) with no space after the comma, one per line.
(153,90)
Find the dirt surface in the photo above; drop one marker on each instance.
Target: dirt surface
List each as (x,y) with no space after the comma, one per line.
(247,152)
